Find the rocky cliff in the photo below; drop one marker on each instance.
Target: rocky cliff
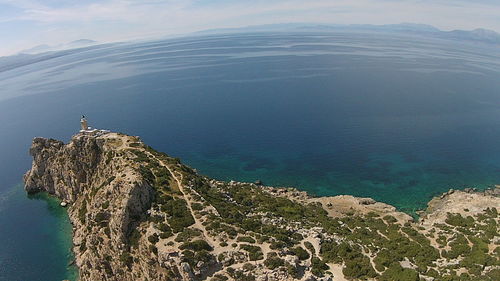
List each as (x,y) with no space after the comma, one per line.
(139,214)
(107,197)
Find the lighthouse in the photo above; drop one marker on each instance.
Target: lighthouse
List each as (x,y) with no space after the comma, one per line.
(88,131)
(84,124)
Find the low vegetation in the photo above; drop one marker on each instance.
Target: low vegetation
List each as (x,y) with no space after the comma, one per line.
(263,227)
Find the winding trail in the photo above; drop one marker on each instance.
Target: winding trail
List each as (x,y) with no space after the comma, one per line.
(197,223)
(217,249)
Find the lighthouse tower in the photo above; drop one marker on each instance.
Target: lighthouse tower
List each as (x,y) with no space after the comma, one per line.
(84,124)
(86,130)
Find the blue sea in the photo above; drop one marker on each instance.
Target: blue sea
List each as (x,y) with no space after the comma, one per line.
(394,117)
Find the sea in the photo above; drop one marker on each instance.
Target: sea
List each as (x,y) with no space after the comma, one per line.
(396,117)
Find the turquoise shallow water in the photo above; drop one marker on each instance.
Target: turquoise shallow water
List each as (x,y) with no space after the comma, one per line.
(397,118)
(36,238)
(412,184)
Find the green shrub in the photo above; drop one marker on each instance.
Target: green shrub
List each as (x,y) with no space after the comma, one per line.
(187,234)
(384,259)
(109,180)
(219,277)
(153,239)
(458,220)
(180,216)
(390,219)
(165,235)
(197,206)
(248,267)
(193,258)
(164,227)
(107,267)
(254,252)
(134,237)
(105,205)
(333,252)
(127,259)
(359,268)
(245,239)
(310,247)
(147,174)
(273,262)
(318,267)
(251,224)
(396,272)
(442,240)
(300,253)
(196,245)
(432,273)
(83,246)
(459,247)
(102,218)
(292,270)
(140,156)
(275,245)
(153,249)
(109,157)
(491,212)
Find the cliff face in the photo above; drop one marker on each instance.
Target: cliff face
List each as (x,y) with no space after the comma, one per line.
(64,171)
(139,214)
(107,197)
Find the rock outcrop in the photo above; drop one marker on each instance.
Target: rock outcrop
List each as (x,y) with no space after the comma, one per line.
(139,214)
(107,197)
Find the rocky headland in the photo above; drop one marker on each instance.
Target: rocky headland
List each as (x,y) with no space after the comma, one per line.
(139,214)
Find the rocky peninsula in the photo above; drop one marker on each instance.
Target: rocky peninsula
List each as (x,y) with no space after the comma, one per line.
(139,214)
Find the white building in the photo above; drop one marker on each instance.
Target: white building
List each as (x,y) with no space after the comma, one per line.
(86,129)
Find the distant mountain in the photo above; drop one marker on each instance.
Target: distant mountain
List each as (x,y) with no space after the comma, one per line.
(402,27)
(479,35)
(71,45)
(22,59)
(82,41)
(412,26)
(37,49)
(257,28)
(44,52)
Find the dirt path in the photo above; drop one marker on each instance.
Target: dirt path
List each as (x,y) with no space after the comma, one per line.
(197,223)
(336,269)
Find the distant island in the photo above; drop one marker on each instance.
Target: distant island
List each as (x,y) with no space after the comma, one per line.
(70,45)
(139,214)
(477,35)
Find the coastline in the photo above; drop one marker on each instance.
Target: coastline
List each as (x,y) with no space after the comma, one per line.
(38,241)
(64,231)
(164,220)
(409,200)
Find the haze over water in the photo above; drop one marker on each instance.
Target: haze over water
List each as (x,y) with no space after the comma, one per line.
(399,119)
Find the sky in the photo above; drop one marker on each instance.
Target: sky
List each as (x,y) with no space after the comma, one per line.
(27,23)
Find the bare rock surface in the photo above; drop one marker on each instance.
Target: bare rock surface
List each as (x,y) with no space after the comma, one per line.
(459,202)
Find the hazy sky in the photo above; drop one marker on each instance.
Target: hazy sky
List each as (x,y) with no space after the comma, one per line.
(26,23)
